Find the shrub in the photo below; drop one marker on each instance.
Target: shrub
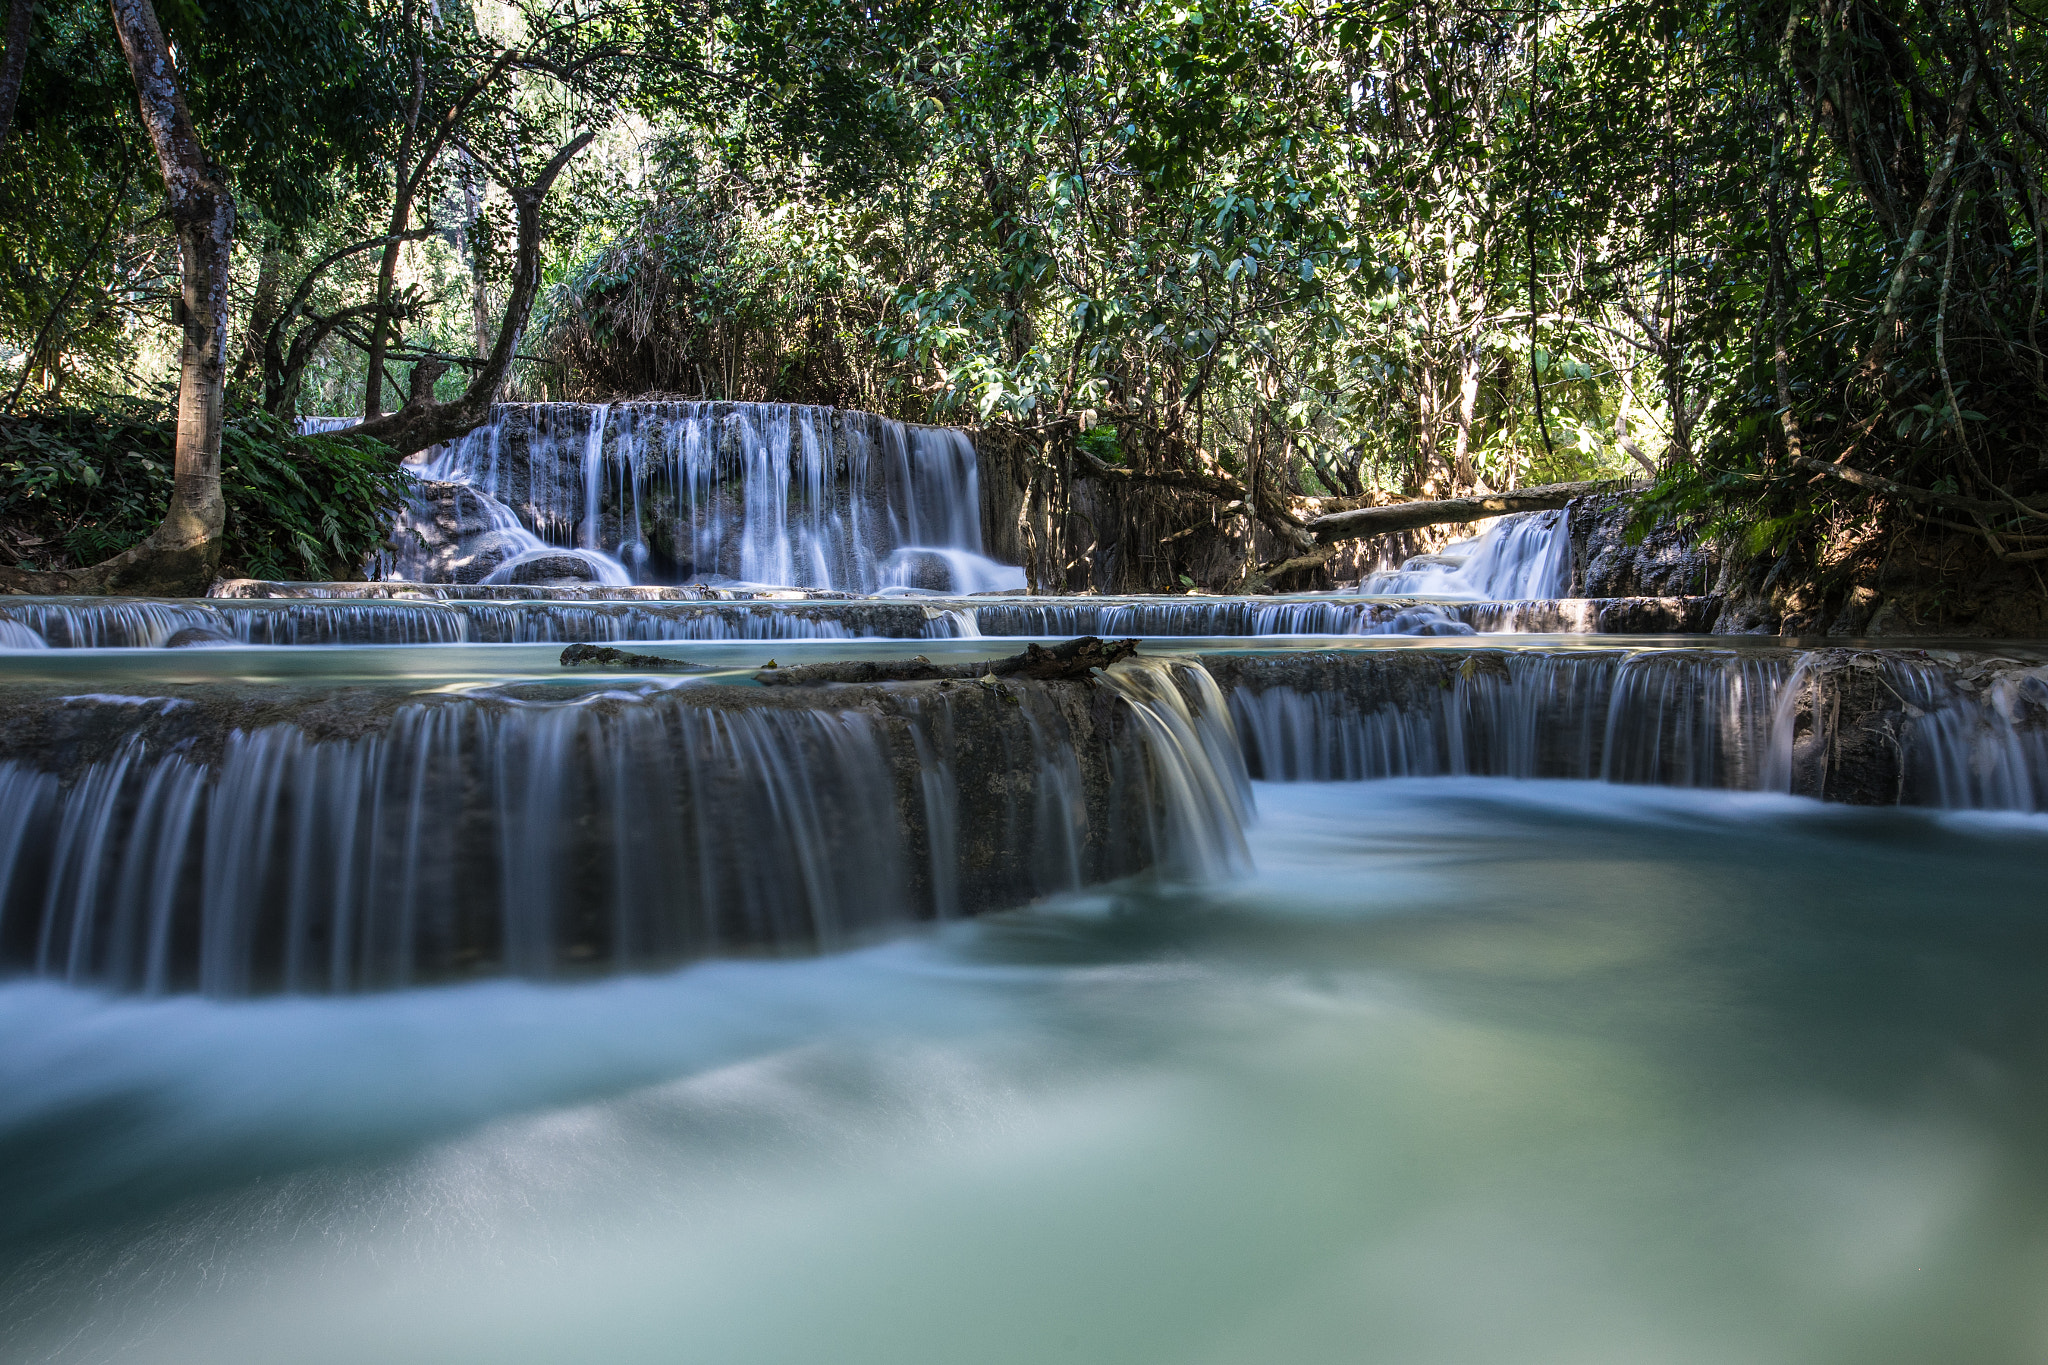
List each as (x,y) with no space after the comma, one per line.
(79,485)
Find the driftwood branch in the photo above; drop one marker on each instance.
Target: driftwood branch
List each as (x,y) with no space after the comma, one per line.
(1071,661)
(1408,516)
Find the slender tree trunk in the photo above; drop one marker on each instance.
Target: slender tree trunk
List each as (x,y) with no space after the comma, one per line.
(474,231)
(180,557)
(247,381)
(405,185)
(1463,476)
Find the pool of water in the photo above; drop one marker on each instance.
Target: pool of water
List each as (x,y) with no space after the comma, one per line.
(1465,1071)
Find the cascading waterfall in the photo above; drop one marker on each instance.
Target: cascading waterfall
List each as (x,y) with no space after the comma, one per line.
(92,624)
(453,842)
(1199,768)
(1973,737)
(1214,616)
(630,826)
(1968,736)
(759,493)
(98,623)
(493,545)
(1526,555)
(1691,718)
(533,831)
(1349,615)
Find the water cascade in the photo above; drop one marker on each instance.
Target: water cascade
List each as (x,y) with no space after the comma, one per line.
(376,839)
(1685,718)
(1346,615)
(1525,556)
(1864,726)
(1931,728)
(669,492)
(100,624)
(488,615)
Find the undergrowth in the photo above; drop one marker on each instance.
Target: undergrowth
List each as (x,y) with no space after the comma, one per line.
(80,485)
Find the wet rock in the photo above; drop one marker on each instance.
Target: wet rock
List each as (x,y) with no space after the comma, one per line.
(478,558)
(199,637)
(549,571)
(1659,615)
(1666,562)
(604,657)
(436,525)
(1072,660)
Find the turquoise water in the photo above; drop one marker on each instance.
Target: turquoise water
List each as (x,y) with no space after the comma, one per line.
(1466,1071)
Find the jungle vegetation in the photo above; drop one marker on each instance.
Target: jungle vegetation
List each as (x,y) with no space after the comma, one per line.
(1783,260)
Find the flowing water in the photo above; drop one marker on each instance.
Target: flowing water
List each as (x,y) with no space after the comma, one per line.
(669,492)
(1527,555)
(417,618)
(1464,1070)
(380,989)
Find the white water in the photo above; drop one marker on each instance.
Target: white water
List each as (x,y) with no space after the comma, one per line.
(766,494)
(94,623)
(1687,718)
(1469,1071)
(1527,555)
(563,832)
(506,541)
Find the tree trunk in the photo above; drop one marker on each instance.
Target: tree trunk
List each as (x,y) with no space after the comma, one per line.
(1408,516)
(475,231)
(247,383)
(181,556)
(1462,474)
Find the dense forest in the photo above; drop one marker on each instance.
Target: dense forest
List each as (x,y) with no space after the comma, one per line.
(1780,263)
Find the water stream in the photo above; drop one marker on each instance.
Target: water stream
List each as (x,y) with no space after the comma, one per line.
(1466,1070)
(670,492)
(1345,977)
(1527,555)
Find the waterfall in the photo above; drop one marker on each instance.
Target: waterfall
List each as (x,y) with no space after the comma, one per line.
(372,843)
(1691,718)
(1217,616)
(1965,734)
(1198,767)
(446,618)
(290,621)
(96,623)
(1863,726)
(647,492)
(239,841)
(1527,555)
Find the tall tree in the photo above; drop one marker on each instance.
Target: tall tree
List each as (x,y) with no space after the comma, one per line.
(182,554)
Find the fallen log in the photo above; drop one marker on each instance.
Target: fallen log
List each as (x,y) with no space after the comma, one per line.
(1407,516)
(1069,662)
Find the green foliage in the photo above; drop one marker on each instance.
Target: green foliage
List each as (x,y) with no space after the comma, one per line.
(1360,244)
(305,506)
(1328,247)
(296,95)
(80,485)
